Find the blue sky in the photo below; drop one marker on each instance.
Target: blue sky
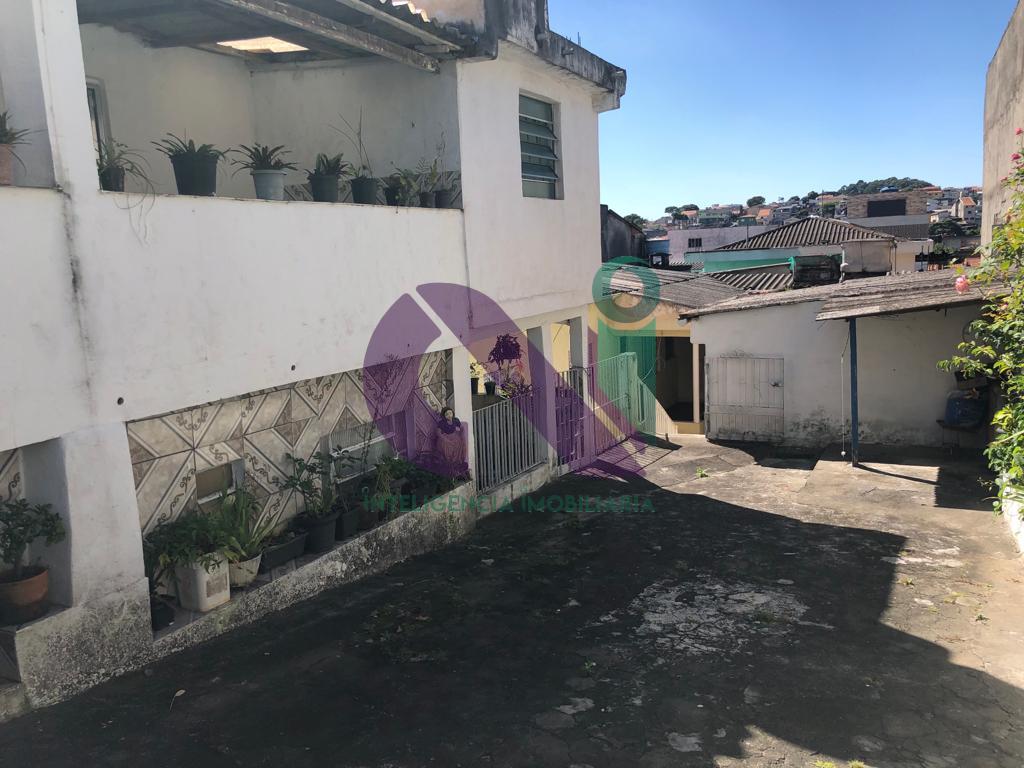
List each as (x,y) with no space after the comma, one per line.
(732,98)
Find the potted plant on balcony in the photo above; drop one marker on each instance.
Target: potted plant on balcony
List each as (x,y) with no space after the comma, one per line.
(195,165)
(393,189)
(246,531)
(506,355)
(267,166)
(114,161)
(427,175)
(191,548)
(326,176)
(364,185)
(10,137)
(24,589)
(319,516)
(439,179)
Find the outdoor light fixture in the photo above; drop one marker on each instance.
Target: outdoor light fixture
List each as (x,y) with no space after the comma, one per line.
(263,45)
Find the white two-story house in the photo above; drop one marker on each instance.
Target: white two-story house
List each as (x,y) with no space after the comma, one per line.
(158,345)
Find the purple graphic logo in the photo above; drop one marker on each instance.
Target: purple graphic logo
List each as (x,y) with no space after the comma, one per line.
(404,335)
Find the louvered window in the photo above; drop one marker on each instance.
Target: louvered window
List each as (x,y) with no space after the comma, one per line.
(539,147)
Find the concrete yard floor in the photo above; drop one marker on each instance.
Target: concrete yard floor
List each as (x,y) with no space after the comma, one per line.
(771,613)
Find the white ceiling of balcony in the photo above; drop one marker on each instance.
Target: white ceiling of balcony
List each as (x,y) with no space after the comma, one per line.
(328,29)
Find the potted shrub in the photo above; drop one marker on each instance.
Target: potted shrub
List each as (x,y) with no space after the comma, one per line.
(282,549)
(439,178)
(364,185)
(310,479)
(393,189)
(191,549)
(114,161)
(195,165)
(427,179)
(10,137)
(24,589)
(268,168)
(246,532)
(490,387)
(326,176)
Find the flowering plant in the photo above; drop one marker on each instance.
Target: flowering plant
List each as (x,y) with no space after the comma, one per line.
(995,348)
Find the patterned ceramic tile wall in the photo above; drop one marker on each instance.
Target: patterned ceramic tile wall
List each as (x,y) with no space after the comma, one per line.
(10,474)
(262,428)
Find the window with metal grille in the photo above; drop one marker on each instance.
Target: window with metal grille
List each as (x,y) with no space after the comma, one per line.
(695,242)
(538,144)
(98,114)
(387,437)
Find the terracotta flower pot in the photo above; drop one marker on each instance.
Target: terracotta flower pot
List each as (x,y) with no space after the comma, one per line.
(6,165)
(25,599)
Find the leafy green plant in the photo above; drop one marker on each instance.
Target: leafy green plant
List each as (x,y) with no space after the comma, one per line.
(262,157)
(246,529)
(995,346)
(21,523)
(407,182)
(194,538)
(353,134)
(10,135)
(702,473)
(330,165)
(174,146)
(431,171)
(311,480)
(113,155)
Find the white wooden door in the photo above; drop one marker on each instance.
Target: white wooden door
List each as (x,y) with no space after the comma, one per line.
(745,398)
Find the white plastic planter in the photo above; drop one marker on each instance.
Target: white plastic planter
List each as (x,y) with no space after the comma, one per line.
(244,573)
(269,184)
(203,590)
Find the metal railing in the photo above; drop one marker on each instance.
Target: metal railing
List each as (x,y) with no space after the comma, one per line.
(507,443)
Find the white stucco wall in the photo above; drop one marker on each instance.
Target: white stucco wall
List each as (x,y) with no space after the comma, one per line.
(528,254)
(43,382)
(902,393)
(1004,114)
(155,91)
(405,113)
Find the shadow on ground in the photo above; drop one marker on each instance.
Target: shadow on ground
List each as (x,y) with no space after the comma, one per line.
(669,634)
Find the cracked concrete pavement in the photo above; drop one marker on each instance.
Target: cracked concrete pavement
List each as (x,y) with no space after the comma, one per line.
(775,612)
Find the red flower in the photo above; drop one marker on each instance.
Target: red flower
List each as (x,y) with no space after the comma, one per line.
(1015,156)
(1020,131)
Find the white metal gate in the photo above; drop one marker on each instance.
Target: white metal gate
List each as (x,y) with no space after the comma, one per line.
(745,398)
(507,442)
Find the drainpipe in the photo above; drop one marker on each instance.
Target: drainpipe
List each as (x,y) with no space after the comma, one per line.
(854,414)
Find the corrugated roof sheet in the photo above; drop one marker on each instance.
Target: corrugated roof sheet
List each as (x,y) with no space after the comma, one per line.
(756,280)
(810,231)
(900,293)
(684,289)
(861,297)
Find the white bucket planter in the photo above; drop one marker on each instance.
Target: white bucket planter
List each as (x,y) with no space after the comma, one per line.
(244,573)
(203,590)
(269,184)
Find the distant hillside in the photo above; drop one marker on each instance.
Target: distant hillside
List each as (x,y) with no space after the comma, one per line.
(870,187)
